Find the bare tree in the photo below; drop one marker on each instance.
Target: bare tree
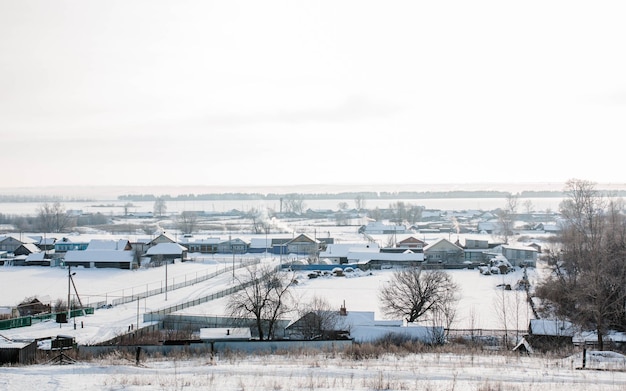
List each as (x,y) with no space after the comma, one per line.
(587,284)
(342,216)
(359,202)
(399,212)
(413,294)
(259,221)
(506,217)
(294,203)
(265,297)
(160,207)
(528,206)
(53,218)
(127,207)
(318,319)
(187,222)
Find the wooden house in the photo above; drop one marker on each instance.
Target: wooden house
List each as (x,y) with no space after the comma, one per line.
(550,334)
(445,253)
(166,252)
(10,243)
(100,259)
(26,249)
(412,243)
(303,245)
(17,352)
(233,246)
(33,307)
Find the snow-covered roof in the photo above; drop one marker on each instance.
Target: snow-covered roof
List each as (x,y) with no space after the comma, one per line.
(19,238)
(32,247)
(6,343)
(196,240)
(166,249)
(99,256)
(260,243)
(551,327)
(343,249)
(519,247)
(110,244)
(407,256)
(40,256)
(441,241)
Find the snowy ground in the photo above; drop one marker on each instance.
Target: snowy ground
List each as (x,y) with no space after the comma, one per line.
(429,371)
(480,304)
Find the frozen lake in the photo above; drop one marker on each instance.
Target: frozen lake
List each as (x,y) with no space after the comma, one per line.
(116,207)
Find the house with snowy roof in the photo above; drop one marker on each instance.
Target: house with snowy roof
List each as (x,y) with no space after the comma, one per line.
(303,244)
(164,252)
(109,244)
(201,245)
(360,326)
(100,259)
(550,334)
(445,253)
(26,249)
(163,237)
(411,242)
(260,245)
(518,255)
(11,242)
(70,244)
(340,253)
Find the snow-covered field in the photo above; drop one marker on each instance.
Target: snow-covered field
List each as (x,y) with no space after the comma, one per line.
(478,308)
(430,371)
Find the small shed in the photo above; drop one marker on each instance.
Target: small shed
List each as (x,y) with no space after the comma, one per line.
(17,352)
(550,334)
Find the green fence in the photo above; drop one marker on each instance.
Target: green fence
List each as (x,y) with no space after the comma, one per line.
(14,323)
(30,320)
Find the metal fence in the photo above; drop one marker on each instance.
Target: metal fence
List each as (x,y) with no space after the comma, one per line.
(26,321)
(183,284)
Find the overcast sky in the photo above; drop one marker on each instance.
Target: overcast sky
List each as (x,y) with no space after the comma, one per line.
(305,92)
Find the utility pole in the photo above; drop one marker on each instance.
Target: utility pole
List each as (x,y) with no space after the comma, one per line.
(69,282)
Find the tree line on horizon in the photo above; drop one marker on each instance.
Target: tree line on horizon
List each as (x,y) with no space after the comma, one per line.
(345,195)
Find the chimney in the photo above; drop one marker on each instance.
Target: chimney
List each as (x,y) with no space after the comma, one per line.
(343,311)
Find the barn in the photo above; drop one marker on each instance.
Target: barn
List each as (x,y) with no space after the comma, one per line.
(17,352)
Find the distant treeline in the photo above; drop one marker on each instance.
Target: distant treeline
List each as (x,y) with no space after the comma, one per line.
(41,198)
(345,195)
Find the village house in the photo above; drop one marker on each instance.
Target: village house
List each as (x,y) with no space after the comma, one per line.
(164,252)
(550,334)
(444,253)
(233,246)
(303,245)
(411,243)
(33,307)
(204,245)
(101,253)
(360,326)
(518,255)
(339,253)
(101,259)
(66,244)
(10,243)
